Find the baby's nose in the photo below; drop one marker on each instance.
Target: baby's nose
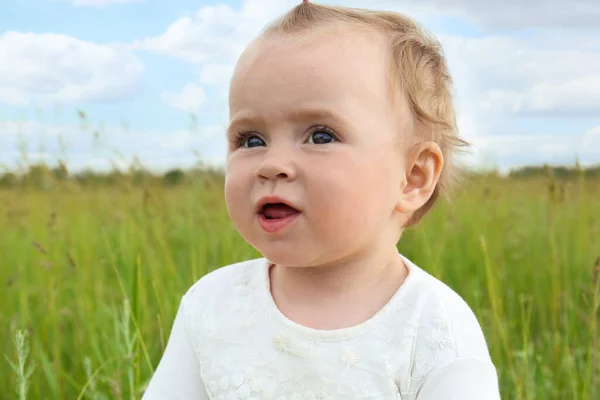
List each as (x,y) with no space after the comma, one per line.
(276,167)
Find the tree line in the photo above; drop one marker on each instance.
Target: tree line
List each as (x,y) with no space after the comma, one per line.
(44,177)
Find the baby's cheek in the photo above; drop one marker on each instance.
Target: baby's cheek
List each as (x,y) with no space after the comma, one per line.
(343,205)
(236,195)
(230,193)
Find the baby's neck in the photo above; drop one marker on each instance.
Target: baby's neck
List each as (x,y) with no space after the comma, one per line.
(337,296)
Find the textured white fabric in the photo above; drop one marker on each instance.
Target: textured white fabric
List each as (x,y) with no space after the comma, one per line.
(230,341)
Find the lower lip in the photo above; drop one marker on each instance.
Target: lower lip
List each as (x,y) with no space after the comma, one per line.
(274,225)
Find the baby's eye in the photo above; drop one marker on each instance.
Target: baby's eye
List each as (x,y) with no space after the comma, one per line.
(320,137)
(252,141)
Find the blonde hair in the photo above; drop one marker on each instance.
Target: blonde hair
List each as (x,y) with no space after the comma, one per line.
(418,69)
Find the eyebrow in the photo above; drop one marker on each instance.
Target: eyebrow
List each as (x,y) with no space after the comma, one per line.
(298,115)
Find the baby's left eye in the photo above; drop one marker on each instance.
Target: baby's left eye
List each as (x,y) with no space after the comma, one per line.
(320,137)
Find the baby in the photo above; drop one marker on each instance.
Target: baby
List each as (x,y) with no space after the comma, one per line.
(342,134)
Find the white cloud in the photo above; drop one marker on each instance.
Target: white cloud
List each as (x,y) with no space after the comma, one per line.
(212,38)
(216,74)
(497,14)
(190,99)
(576,98)
(157,150)
(591,140)
(13,96)
(102,3)
(517,14)
(50,68)
(512,75)
(509,150)
(213,33)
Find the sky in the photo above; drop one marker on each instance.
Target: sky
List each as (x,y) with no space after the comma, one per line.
(99,82)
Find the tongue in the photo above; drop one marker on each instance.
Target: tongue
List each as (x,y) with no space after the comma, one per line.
(274,211)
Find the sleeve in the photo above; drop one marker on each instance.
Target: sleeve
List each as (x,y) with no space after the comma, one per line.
(177,376)
(461,379)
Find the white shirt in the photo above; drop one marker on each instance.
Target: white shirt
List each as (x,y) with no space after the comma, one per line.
(230,341)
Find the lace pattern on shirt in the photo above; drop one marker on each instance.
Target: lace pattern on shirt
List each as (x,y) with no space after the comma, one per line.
(247,354)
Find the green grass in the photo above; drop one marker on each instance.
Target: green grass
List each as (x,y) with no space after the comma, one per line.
(92,279)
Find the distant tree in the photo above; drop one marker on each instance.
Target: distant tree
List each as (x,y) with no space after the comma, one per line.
(113,177)
(8,179)
(85,177)
(173,177)
(39,176)
(60,172)
(556,172)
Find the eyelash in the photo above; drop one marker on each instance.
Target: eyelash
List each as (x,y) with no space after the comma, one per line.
(240,136)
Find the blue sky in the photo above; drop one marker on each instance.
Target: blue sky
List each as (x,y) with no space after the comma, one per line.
(527,77)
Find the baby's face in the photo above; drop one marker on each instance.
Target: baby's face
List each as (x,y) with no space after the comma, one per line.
(321,132)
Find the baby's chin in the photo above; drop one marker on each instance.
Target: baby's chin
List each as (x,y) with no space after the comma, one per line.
(290,257)
(286,258)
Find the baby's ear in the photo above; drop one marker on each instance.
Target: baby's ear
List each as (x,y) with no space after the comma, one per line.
(422,171)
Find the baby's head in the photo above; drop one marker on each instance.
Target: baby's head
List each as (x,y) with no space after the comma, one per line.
(347,116)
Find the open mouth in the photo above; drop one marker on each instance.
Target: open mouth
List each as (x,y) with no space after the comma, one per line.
(277,211)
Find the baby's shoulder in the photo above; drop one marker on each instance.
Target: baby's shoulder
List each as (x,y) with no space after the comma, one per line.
(218,284)
(447,328)
(446,318)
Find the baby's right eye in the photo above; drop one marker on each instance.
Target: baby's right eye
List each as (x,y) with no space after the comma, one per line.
(246,139)
(251,139)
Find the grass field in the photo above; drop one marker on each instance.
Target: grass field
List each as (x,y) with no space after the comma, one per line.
(92,278)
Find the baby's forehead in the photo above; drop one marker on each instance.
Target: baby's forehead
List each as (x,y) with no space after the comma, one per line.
(314,40)
(314,54)
(325,65)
